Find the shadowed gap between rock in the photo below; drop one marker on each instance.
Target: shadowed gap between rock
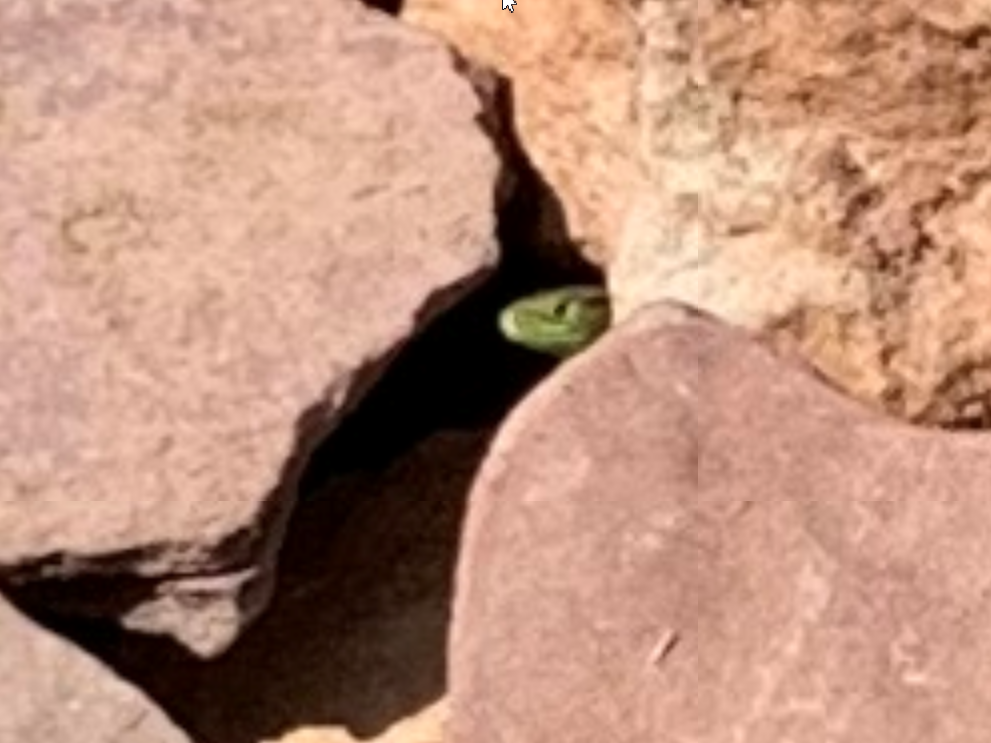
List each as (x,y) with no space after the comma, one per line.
(423,429)
(392,7)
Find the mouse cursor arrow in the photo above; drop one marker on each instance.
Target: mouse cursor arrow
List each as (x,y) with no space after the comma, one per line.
(508,4)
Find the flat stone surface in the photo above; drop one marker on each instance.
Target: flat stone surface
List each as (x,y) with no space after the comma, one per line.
(216,222)
(682,537)
(52,692)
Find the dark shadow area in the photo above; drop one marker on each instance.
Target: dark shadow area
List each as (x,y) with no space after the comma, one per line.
(392,7)
(356,633)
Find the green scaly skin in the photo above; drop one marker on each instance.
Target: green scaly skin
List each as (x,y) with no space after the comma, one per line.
(560,322)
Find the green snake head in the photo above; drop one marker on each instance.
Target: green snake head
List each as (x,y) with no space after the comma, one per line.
(559,322)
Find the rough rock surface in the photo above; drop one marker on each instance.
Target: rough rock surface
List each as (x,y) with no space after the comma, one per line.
(683,537)
(820,170)
(572,64)
(216,222)
(51,692)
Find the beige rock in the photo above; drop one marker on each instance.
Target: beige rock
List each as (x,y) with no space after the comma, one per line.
(820,171)
(681,537)
(52,692)
(571,63)
(216,223)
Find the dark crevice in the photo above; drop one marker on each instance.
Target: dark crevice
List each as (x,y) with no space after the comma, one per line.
(392,7)
(458,374)
(307,661)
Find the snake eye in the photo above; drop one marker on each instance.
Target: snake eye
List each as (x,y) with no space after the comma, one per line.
(560,311)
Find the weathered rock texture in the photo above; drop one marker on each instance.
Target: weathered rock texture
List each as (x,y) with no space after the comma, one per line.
(216,222)
(821,171)
(51,692)
(684,538)
(572,65)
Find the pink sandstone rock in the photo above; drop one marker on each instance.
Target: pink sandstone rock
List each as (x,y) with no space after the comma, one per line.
(681,537)
(217,221)
(51,692)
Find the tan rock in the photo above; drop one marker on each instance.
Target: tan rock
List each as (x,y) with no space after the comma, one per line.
(216,223)
(820,171)
(681,537)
